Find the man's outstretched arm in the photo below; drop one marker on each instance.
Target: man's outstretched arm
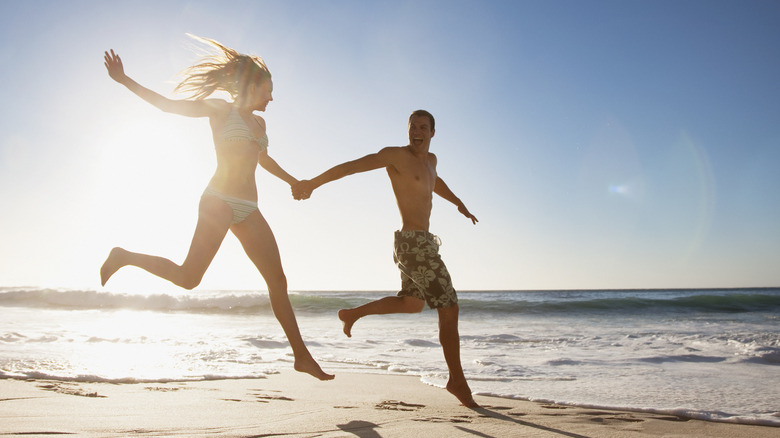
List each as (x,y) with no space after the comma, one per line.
(303,189)
(444,191)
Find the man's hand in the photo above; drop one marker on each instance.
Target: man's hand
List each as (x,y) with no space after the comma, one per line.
(302,189)
(465,211)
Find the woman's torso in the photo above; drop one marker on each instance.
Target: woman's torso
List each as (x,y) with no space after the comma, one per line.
(239,139)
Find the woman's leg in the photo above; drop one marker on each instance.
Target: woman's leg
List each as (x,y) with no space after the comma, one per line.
(214,218)
(258,241)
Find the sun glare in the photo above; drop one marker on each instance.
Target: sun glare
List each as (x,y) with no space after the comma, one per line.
(144,154)
(152,168)
(122,351)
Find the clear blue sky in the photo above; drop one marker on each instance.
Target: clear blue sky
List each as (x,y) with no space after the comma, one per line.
(601,144)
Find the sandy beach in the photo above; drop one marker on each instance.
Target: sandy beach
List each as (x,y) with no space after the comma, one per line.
(292,404)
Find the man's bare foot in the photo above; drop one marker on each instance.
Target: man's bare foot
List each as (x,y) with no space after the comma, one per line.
(463,393)
(310,366)
(347,319)
(112,264)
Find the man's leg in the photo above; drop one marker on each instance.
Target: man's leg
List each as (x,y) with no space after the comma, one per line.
(450,344)
(381,306)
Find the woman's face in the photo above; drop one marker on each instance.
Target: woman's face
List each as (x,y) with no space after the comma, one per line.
(260,94)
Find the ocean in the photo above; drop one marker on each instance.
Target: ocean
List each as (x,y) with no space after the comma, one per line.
(709,354)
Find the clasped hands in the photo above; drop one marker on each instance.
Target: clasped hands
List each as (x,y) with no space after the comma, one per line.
(302,189)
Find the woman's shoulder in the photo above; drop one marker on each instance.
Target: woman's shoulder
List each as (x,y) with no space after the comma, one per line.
(218,110)
(260,120)
(218,106)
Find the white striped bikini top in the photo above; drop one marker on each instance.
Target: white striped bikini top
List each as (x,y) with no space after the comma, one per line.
(236,130)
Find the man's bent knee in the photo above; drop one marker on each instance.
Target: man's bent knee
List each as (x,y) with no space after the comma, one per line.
(413,305)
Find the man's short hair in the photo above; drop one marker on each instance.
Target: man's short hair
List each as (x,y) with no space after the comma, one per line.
(421,112)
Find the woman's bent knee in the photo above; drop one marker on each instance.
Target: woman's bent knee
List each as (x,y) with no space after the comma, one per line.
(190,282)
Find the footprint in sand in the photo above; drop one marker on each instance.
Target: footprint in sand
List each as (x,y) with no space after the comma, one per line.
(395,405)
(161,389)
(260,398)
(69,389)
(612,420)
(456,419)
(610,417)
(498,408)
(273,397)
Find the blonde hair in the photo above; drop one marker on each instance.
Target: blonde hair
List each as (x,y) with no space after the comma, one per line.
(229,71)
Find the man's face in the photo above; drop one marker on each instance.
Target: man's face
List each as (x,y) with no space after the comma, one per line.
(420,132)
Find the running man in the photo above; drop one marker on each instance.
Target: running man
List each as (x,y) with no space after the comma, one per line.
(424,277)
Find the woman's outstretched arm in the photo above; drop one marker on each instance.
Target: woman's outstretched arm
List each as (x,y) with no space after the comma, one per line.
(270,165)
(189,108)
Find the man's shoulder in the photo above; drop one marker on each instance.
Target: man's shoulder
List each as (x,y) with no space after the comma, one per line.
(393,153)
(393,150)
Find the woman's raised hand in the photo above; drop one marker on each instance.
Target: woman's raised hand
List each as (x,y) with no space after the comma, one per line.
(114,66)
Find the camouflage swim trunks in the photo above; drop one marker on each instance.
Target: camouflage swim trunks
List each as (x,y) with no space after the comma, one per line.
(423,274)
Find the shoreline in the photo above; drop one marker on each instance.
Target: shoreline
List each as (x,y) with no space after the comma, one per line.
(294,404)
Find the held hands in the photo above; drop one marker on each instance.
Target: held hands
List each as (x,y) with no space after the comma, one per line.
(114,66)
(302,189)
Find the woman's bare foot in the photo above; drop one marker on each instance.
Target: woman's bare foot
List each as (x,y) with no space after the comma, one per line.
(347,319)
(112,264)
(310,366)
(462,392)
